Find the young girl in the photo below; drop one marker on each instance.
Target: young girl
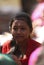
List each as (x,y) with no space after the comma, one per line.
(21,45)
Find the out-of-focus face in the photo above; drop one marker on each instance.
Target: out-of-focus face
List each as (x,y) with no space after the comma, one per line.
(20,30)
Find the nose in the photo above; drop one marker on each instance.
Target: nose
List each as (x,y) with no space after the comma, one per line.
(18,31)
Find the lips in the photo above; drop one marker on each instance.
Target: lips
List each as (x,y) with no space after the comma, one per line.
(19,36)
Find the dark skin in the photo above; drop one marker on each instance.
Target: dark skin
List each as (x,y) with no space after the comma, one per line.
(21,32)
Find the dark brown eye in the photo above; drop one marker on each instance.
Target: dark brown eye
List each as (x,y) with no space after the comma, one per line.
(15,28)
(23,29)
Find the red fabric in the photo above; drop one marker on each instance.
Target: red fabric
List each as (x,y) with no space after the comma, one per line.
(31,46)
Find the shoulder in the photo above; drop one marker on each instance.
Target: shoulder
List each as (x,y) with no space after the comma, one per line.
(7,43)
(34,43)
(6,46)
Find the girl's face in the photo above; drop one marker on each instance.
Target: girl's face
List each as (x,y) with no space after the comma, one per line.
(20,30)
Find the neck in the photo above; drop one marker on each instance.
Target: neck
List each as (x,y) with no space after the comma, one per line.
(23,46)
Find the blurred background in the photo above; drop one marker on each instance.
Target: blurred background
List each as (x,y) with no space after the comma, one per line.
(11,7)
(35,8)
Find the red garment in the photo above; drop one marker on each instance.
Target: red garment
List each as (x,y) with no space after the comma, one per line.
(31,46)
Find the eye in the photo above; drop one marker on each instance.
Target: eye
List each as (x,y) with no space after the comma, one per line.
(15,28)
(23,29)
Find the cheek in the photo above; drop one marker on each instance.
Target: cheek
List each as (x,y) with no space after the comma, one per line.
(13,32)
(27,34)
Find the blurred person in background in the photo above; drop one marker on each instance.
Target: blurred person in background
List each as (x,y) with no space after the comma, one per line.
(38,12)
(40,60)
(21,45)
(38,21)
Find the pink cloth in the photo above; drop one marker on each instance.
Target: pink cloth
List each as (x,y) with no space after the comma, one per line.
(34,56)
(38,12)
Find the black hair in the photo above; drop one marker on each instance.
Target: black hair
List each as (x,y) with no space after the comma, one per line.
(22,16)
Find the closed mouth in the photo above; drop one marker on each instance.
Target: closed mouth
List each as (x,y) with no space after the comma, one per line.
(19,36)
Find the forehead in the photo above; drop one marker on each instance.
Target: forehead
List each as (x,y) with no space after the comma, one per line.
(19,23)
